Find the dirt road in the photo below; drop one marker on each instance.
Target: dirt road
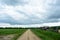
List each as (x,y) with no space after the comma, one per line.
(28,35)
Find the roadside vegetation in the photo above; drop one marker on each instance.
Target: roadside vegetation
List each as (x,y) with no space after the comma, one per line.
(46,34)
(15,31)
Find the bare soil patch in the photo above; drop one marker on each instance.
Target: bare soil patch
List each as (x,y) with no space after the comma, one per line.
(7,37)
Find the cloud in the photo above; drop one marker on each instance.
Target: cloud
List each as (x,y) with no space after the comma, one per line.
(31,25)
(29,11)
(14,2)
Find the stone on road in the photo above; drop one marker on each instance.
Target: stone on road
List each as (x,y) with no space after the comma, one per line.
(28,35)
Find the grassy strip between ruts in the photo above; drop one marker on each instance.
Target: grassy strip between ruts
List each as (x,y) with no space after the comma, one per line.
(18,32)
(46,35)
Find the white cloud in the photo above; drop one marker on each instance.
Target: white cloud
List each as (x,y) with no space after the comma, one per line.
(31,25)
(27,9)
(52,24)
(9,10)
(38,9)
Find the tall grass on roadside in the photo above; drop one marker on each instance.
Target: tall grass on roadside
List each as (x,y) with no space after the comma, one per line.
(10,31)
(17,32)
(46,35)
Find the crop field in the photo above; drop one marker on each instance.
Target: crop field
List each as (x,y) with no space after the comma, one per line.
(17,32)
(46,34)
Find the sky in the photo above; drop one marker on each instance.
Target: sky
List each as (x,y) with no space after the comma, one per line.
(25,12)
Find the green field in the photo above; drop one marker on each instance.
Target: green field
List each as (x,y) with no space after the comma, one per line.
(43,34)
(46,35)
(7,31)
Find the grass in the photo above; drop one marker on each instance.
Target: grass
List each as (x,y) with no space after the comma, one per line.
(10,31)
(46,35)
(16,31)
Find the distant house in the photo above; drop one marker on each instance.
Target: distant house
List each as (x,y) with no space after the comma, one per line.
(45,28)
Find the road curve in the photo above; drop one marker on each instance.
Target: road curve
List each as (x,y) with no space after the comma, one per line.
(28,35)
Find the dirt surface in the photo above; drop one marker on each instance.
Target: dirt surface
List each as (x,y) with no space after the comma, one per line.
(59,31)
(6,37)
(28,35)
